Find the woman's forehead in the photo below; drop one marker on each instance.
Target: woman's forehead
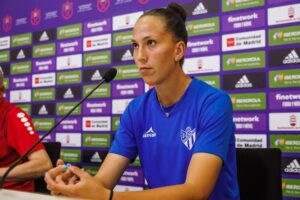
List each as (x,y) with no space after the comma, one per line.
(149,26)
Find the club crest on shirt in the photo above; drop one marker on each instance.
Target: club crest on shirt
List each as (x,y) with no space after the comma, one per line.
(188,137)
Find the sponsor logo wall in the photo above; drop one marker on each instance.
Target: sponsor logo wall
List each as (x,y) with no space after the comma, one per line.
(53,56)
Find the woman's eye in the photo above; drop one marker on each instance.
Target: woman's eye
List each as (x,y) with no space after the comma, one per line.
(151,42)
(134,45)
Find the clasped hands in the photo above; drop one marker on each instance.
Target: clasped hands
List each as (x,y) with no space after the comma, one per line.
(74,182)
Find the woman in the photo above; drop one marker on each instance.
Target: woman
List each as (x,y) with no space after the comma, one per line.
(182,129)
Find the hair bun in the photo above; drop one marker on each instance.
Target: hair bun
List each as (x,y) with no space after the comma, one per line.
(178,10)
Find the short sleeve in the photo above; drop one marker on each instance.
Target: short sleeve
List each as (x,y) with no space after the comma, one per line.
(217,128)
(21,134)
(125,142)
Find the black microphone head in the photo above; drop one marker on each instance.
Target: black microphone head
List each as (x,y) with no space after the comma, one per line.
(110,75)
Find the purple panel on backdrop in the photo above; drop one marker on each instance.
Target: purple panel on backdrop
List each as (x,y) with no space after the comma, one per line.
(270,2)
(284,100)
(132,176)
(97,26)
(43,65)
(203,45)
(18,82)
(250,121)
(244,20)
(96,107)
(127,88)
(69,124)
(49,138)
(69,46)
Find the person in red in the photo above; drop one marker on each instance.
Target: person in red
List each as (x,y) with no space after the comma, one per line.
(17,135)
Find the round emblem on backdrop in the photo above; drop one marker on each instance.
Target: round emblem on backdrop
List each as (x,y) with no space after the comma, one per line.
(35,17)
(67,10)
(20,115)
(103,5)
(143,1)
(7,23)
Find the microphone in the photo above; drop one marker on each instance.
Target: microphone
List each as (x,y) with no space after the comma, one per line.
(108,76)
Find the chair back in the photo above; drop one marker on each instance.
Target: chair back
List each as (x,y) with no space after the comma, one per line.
(53,150)
(259,173)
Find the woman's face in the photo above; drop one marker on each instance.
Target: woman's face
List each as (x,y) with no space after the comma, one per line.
(154,49)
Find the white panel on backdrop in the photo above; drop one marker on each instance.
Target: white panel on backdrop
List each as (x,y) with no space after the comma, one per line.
(96,123)
(41,80)
(201,64)
(244,40)
(69,139)
(97,42)
(288,14)
(20,96)
(4,42)
(126,21)
(251,140)
(284,121)
(69,62)
(119,105)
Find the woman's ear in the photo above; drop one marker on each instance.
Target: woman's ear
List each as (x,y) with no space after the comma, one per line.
(179,50)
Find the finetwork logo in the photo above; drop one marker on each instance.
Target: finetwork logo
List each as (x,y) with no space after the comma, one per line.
(243,83)
(293,167)
(200,9)
(292,57)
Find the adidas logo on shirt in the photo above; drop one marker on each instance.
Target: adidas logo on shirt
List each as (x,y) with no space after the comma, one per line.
(43,110)
(21,54)
(96,76)
(127,56)
(243,83)
(68,94)
(292,57)
(44,37)
(293,167)
(200,9)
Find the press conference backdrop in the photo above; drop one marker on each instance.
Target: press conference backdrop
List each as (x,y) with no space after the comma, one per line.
(54,52)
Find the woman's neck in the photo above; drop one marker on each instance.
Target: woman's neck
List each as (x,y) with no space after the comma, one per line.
(172,90)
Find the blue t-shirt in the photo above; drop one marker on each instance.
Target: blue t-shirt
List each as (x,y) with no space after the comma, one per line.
(201,121)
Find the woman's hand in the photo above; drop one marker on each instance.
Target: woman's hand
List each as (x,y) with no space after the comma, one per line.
(85,187)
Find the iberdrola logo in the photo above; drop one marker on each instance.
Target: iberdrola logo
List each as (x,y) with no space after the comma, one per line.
(7,23)
(278,35)
(230,2)
(280,142)
(231,61)
(67,10)
(35,17)
(103,5)
(279,77)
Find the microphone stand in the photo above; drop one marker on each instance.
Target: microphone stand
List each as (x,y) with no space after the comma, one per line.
(15,163)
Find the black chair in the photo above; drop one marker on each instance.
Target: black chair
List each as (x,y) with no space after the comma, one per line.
(259,173)
(53,150)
